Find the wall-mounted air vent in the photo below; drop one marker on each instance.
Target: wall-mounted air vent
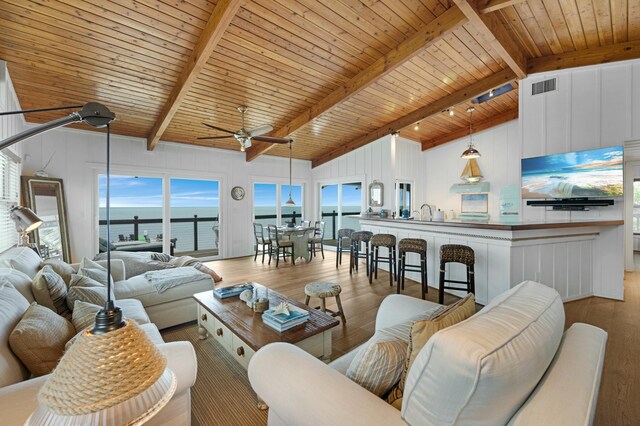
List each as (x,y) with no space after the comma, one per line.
(544,86)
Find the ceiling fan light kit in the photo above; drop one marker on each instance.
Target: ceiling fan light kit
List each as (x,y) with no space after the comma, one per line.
(244,137)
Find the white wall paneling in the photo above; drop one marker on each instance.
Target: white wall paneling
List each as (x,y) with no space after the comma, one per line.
(78,153)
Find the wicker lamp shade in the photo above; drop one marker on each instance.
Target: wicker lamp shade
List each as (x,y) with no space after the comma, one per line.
(116,378)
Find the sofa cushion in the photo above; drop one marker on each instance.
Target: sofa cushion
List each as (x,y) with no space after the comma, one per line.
(140,288)
(13,305)
(61,268)
(88,290)
(481,370)
(39,339)
(50,291)
(20,281)
(24,259)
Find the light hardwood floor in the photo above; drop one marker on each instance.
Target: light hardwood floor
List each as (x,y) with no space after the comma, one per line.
(620,388)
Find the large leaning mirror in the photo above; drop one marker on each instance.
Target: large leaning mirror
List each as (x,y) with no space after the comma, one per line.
(45,196)
(376,194)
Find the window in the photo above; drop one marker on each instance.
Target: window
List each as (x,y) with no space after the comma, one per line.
(269,203)
(136,209)
(403,197)
(9,196)
(339,203)
(195,219)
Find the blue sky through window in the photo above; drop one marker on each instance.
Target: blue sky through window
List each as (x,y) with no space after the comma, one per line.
(132,191)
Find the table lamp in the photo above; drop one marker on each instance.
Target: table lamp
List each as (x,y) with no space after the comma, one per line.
(26,221)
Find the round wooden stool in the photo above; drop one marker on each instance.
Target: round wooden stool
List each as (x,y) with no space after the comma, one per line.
(322,290)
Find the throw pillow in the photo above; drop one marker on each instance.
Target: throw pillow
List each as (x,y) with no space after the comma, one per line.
(87,290)
(39,339)
(50,291)
(90,264)
(13,305)
(61,268)
(379,364)
(84,315)
(190,261)
(422,330)
(99,275)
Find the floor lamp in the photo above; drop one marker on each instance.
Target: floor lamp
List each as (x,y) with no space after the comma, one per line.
(113,374)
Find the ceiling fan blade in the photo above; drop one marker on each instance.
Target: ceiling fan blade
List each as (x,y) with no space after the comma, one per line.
(216,137)
(260,130)
(270,139)
(218,128)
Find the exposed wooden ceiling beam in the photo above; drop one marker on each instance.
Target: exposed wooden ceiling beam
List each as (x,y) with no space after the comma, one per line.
(433,31)
(475,89)
(477,127)
(580,58)
(488,6)
(219,20)
(496,35)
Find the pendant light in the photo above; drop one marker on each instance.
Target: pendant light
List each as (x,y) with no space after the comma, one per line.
(290,201)
(471,151)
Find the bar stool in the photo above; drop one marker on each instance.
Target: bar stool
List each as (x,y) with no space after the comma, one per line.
(413,245)
(459,254)
(357,238)
(343,234)
(388,241)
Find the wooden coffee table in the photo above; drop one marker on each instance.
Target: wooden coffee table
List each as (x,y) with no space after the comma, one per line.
(241,331)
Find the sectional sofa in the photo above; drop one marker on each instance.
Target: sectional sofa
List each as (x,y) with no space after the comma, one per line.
(18,391)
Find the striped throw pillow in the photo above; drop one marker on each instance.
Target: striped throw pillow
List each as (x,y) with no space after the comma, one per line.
(50,290)
(87,290)
(379,364)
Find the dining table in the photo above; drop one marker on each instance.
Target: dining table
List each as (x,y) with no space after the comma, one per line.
(300,236)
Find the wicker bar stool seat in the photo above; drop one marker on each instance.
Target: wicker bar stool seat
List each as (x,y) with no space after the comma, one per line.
(357,238)
(388,241)
(412,245)
(344,236)
(322,290)
(456,253)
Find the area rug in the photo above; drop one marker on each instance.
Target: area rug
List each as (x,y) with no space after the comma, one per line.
(222,394)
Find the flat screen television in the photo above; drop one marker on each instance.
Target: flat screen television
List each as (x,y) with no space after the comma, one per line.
(582,174)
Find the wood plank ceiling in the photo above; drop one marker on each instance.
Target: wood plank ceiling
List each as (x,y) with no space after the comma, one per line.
(310,68)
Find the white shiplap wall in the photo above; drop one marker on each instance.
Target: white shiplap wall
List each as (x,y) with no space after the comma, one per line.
(79,154)
(385,160)
(9,124)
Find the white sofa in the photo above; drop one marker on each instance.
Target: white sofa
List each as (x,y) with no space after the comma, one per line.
(511,363)
(172,307)
(18,392)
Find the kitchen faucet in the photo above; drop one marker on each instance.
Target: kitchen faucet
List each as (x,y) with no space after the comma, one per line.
(430,211)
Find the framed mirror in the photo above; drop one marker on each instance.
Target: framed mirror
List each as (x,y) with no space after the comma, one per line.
(45,196)
(376,194)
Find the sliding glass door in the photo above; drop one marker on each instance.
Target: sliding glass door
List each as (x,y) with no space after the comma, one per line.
(136,211)
(195,217)
(339,204)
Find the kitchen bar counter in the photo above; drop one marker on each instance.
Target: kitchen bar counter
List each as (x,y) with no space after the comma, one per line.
(578,258)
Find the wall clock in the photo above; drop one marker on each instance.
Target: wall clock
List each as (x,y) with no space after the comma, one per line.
(237,193)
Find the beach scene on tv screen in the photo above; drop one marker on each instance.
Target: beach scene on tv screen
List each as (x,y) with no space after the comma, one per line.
(592,173)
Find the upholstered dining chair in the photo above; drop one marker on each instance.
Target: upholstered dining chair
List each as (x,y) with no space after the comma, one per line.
(318,239)
(281,248)
(261,241)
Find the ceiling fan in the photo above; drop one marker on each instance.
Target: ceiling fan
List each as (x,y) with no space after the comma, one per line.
(244,137)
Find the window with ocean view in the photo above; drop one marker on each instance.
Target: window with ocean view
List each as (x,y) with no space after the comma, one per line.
(136,209)
(195,220)
(137,205)
(266,209)
(340,203)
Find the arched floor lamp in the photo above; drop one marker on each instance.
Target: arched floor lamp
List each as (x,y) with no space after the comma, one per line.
(113,374)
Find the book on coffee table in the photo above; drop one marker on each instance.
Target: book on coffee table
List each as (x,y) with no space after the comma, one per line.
(282,321)
(283,327)
(232,291)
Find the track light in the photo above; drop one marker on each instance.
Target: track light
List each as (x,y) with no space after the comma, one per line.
(417,126)
(491,93)
(450,110)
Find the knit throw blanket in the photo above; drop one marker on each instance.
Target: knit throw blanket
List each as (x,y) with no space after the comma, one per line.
(168,278)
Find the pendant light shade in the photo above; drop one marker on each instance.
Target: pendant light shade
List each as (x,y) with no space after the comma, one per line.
(290,201)
(471,151)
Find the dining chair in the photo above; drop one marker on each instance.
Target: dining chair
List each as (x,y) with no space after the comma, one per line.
(305,223)
(261,241)
(317,239)
(279,246)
